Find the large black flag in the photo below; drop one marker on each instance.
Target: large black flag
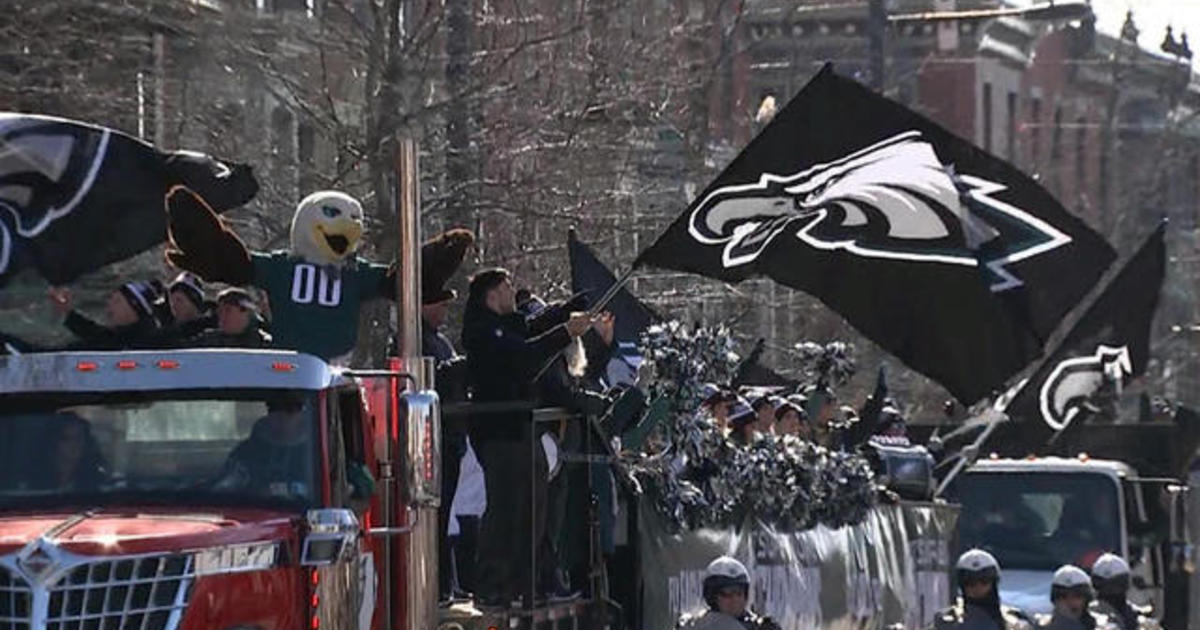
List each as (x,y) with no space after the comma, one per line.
(591,277)
(947,257)
(75,197)
(1109,346)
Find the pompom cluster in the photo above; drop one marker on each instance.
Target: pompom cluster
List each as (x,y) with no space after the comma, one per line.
(696,478)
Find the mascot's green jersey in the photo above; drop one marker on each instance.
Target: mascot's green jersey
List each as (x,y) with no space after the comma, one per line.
(314,309)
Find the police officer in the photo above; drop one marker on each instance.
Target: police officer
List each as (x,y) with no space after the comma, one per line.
(1110,579)
(726,591)
(1071,592)
(978,608)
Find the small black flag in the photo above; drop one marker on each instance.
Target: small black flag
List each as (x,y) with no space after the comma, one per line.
(75,197)
(1108,347)
(592,278)
(751,372)
(949,258)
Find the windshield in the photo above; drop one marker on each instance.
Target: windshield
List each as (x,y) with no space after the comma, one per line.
(1039,520)
(252,447)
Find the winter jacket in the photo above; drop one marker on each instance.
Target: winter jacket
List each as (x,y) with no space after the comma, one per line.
(95,336)
(253,337)
(502,361)
(180,334)
(964,616)
(1089,621)
(1126,615)
(712,620)
(450,377)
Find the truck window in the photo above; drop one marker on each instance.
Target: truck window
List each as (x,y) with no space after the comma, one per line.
(254,447)
(1039,520)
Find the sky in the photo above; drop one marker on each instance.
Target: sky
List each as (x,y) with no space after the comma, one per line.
(1150,16)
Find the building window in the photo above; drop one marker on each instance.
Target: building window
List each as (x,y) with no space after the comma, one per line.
(987,117)
(1011,129)
(1035,131)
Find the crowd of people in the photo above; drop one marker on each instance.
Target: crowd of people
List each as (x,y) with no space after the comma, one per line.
(152,314)
(1098,601)
(519,353)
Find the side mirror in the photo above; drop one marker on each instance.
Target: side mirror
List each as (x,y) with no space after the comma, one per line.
(422,421)
(331,534)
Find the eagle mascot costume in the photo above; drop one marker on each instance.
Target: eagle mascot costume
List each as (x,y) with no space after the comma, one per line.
(314,288)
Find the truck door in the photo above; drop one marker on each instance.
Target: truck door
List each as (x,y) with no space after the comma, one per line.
(345,588)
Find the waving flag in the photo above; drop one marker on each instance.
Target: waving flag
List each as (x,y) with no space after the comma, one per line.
(75,197)
(1108,347)
(592,278)
(949,258)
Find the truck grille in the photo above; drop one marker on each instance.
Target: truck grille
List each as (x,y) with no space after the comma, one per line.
(15,602)
(129,593)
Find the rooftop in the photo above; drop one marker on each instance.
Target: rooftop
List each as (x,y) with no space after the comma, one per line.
(151,370)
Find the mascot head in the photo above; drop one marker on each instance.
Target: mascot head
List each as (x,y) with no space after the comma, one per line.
(327,227)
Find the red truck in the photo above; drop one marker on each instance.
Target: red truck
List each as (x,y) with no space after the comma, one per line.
(222,489)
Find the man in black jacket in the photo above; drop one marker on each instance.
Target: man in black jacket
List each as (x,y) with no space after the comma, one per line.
(502,361)
(238,323)
(130,320)
(191,313)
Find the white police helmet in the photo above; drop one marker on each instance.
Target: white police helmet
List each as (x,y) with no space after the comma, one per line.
(723,573)
(1070,579)
(977,564)
(1110,574)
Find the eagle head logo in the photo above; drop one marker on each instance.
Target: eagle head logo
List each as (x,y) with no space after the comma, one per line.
(1074,381)
(47,166)
(894,199)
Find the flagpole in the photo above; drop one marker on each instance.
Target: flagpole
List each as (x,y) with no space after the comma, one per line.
(592,312)
(971,452)
(612,292)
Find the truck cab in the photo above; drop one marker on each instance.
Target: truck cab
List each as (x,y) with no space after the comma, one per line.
(189,489)
(1037,514)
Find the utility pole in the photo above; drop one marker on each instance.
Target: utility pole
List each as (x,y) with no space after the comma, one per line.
(877,23)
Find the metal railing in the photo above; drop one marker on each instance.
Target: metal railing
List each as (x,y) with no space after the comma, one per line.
(534,423)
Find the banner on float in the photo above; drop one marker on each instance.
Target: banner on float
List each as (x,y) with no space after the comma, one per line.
(893,568)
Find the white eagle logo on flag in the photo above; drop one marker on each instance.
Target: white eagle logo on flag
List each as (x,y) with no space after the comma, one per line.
(894,199)
(1074,381)
(47,166)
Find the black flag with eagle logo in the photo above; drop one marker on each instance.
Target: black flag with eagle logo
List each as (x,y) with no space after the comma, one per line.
(1108,347)
(75,197)
(947,257)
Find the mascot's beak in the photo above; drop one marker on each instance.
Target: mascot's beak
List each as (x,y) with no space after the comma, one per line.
(339,238)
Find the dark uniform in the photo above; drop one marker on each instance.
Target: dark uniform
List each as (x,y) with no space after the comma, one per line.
(975,567)
(1128,616)
(721,575)
(713,620)
(964,616)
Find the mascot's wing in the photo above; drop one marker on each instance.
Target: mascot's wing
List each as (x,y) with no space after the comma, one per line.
(442,255)
(201,244)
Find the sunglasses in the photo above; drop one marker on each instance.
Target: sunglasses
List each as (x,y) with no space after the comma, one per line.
(732,591)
